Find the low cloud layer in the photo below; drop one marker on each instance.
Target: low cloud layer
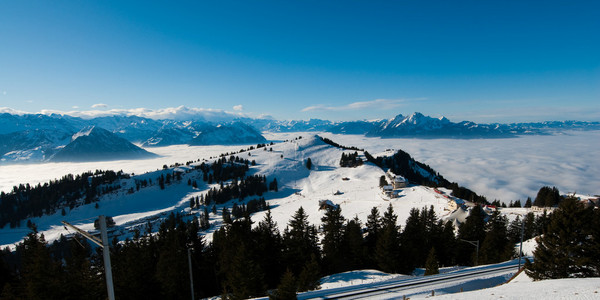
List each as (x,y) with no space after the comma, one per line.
(171,113)
(505,169)
(100,105)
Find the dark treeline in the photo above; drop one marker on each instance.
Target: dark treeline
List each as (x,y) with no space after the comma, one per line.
(69,192)
(350,160)
(246,261)
(249,186)
(334,144)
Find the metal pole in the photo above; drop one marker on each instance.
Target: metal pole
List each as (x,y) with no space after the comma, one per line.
(476,244)
(477,254)
(106,256)
(190,265)
(521,247)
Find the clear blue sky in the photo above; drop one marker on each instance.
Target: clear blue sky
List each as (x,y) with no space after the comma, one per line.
(486,61)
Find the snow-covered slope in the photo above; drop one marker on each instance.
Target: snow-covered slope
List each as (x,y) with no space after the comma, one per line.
(31,145)
(228,134)
(94,143)
(356,190)
(522,287)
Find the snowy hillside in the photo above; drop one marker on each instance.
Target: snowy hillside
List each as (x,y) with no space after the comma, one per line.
(355,190)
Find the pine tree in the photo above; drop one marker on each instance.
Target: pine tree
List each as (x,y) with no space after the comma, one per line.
(541,223)
(414,242)
(309,278)
(495,247)
(387,249)
(382,181)
(565,249)
(431,265)
(514,230)
(373,230)
(245,278)
(300,242)
(473,229)
(286,290)
(356,252)
(270,247)
(547,197)
(332,243)
(40,273)
(83,281)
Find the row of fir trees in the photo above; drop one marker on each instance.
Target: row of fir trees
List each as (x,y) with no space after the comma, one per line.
(249,260)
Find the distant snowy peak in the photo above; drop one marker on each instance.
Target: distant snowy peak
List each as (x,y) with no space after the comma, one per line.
(96,144)
(419,125)
(228,134)
(84,132)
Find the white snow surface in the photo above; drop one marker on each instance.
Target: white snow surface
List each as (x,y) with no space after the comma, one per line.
(520,287)
(523,287)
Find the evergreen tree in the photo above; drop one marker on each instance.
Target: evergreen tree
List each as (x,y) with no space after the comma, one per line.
(40,274)
(414,242)
(473,229)
(226,216)
(387,249)
(431,265)
(446,246)
(270,247)
(82,281)
(565,250)
(373,230)
(286,290)
(309,278)
(528,203)
(300,242)
(172,259)
(332,243)
(245,278)
(514,230)
(541,223)
(355,250)
(382,181)
(495,247)
(547,197)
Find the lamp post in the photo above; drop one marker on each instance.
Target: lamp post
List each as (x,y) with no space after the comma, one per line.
(476,244)
(190,266)
(105,252)
(521,246)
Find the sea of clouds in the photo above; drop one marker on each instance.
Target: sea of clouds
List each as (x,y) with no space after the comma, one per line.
(505,169)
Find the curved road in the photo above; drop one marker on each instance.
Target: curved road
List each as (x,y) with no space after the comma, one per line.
(417,285)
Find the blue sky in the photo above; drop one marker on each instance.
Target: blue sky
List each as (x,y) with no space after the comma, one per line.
(486,61)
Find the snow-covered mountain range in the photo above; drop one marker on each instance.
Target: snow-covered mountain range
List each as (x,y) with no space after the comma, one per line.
(38,137)
(94,143)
